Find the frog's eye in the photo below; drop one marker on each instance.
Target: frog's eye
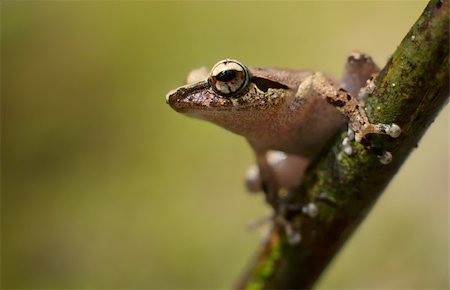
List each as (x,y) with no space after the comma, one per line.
(228,77)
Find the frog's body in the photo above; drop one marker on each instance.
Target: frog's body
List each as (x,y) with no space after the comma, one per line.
(296,112)
(277,119)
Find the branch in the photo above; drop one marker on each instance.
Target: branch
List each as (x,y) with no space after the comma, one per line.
(411,89)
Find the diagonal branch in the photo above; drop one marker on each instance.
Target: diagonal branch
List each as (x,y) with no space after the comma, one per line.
(410,91)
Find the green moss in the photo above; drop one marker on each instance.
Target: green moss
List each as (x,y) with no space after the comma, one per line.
(266,269)
(254,285)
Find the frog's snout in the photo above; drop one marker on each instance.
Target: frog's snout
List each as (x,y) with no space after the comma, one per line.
(173,98)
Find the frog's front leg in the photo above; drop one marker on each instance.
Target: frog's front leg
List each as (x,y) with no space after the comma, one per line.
(267,177)
(317,84)
(277,173)
(284,171)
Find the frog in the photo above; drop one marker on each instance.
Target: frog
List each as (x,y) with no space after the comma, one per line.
(287,116)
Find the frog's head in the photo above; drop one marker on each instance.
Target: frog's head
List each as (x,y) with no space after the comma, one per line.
(211,91)
(231,95)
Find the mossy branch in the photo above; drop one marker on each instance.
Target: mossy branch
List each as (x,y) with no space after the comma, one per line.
(411,89)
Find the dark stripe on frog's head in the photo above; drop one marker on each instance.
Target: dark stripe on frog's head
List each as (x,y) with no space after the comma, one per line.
(265,84)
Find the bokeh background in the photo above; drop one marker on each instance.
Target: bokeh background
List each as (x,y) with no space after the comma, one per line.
(104,186)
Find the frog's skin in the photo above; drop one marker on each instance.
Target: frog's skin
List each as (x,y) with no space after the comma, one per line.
(290,111)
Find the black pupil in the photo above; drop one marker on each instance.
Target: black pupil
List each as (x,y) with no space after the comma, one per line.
(226,75)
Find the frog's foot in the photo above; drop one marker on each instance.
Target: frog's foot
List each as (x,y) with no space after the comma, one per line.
(292,232)
(268,222)
(357,83)
(310,209)
(293,235)
(265,223)
(360,124)
(392,130)
(317,84)
(385,157)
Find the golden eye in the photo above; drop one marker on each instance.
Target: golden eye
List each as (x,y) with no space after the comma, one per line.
(228,77)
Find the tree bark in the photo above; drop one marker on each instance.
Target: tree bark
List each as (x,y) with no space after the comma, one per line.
(410,91)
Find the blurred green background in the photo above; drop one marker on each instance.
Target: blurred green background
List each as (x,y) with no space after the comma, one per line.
(104,186)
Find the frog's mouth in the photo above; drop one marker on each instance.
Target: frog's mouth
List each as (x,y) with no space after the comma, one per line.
(196,97)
